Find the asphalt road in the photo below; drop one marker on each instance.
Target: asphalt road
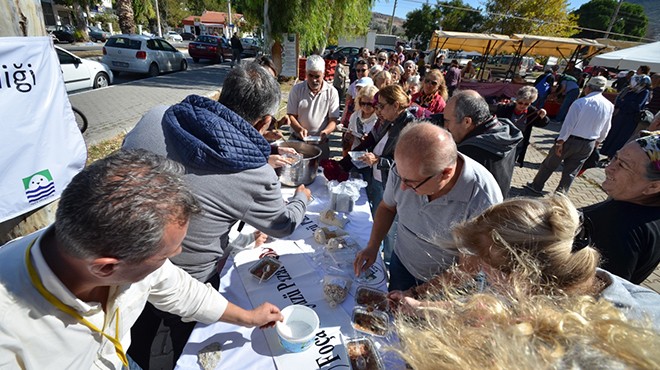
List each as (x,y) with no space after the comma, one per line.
(117,108)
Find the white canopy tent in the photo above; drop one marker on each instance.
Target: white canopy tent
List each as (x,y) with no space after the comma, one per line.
(631,58)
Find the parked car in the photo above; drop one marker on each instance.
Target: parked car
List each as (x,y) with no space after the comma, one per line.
(187,36)
(500,64)
(209,47)
(350,52)
(251,46)
(82,73)
(142,54)
(97,34)
(173,36)
(62,34)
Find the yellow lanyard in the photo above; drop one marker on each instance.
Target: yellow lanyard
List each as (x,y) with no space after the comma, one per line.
(66,309)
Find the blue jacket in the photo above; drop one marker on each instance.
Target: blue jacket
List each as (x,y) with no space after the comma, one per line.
(209,136)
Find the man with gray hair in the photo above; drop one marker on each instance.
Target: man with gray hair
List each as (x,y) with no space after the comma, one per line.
(226,161)
(313,106)
(70,293)
(586,125)
(483,137)
(430,188)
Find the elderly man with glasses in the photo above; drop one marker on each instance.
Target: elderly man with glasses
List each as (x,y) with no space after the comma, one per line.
(313,106)
(431,187)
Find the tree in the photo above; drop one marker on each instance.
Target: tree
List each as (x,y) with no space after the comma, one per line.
(80,8)
(315,21)
(597,14)
(537,17)
(175,11)
(125,15)
(421,23)
(456,19)
(143,11)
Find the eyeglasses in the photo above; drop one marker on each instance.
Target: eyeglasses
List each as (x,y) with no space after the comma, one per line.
(434,83)
(366,104)
(409,183)
(360,70)
(380,105)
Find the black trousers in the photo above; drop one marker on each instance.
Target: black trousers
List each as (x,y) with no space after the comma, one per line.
(146,327)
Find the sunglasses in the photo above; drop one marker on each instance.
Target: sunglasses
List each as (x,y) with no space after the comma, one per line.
(366,104)
(361,70)
(382,59)
(434,83)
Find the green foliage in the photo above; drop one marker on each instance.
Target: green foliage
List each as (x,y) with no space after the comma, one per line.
(537,17)
(597,14)
(174,11)
(143,11)
(105,18)
(460,20)
(421,23)
(79,35)
(315,21)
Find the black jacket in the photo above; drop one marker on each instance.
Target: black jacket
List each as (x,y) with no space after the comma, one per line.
(493,144)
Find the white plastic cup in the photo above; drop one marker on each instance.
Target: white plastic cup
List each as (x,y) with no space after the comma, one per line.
(296,333)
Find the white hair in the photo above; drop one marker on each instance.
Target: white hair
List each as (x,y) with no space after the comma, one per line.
(315,63)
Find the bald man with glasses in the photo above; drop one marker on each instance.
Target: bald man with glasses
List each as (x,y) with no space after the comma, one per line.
(431,188)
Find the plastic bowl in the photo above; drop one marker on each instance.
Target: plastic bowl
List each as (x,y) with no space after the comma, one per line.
(296,332)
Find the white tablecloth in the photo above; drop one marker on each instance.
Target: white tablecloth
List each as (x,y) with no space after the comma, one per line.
(247,348)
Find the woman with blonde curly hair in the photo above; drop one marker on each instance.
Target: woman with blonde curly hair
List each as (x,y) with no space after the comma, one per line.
(545,240)
(514,330)
(432,98)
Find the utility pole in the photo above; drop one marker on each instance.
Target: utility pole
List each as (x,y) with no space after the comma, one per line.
(160,32)
(229,26)
(392,19)
(614,17)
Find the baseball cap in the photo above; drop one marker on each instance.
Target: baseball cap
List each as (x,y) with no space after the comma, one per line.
(364,81)
(598,81)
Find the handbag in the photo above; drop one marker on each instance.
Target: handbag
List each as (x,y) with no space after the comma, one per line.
(644,118)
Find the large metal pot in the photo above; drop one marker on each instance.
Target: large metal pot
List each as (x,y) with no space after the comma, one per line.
(304,171)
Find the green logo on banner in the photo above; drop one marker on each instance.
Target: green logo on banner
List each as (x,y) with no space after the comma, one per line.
(39,186)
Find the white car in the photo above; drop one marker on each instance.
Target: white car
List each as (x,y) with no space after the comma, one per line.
(173,37)
(82,73)
(142,54)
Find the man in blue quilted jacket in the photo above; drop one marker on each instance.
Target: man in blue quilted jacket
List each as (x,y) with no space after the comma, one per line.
(226,160)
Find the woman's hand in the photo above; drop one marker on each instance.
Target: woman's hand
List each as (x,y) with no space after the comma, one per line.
(542,113)
(282,150)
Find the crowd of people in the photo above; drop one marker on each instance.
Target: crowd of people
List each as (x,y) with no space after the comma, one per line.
(476,279)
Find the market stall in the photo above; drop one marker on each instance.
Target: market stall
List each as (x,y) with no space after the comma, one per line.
(300,280)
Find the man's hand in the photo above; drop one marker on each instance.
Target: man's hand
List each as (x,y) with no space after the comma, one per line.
(259,238)
(369,158)
(265,316)
(558,147)
(542,113)
(302,132)
(272,135)
(304,190)
(364,259)
(285,150)
(277,161)
(324,135)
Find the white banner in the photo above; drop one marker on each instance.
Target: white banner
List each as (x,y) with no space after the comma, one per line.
(42,148)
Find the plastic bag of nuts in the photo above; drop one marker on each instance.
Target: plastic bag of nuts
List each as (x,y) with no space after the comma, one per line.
(335,288)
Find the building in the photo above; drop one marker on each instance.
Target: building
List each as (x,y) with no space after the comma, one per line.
(212,23)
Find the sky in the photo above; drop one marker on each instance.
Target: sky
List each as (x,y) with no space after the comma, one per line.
(405,6)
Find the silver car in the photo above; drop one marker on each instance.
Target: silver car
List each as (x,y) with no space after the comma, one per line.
(142,54)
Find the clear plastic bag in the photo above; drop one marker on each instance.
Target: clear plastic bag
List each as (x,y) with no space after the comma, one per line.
(335,288)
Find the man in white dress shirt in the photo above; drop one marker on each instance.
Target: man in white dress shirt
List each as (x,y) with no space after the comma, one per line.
(70,293)
(586,125)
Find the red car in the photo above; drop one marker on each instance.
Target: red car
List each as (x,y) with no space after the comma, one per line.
(209,47)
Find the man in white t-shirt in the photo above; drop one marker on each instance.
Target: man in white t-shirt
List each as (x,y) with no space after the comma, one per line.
(313,106)
(431,187)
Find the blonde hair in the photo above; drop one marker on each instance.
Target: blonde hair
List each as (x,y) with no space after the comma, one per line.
(514,330)
(542,229)
(381,77)
(366,92)
(394,93)
(442,85)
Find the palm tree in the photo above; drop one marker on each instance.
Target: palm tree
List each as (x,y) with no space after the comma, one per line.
(125,15)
